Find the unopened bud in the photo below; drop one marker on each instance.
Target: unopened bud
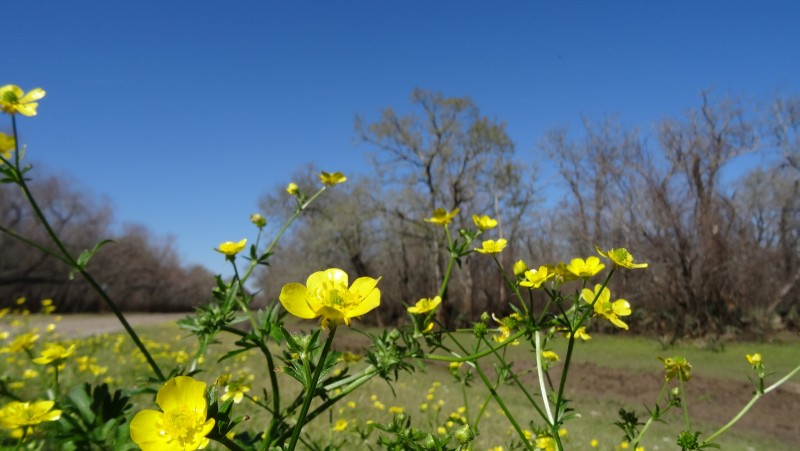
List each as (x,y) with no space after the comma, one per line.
(464,434)
(258,220)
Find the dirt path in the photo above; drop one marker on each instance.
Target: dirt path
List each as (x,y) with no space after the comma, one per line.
(84,325)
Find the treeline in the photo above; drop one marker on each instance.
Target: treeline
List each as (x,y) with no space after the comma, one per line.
(722,239)
(141,271)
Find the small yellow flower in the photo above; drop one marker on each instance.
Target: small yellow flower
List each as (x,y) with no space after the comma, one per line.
(484,223)
(30,374)
(349,357)
(550,355)
(442,216)
(546,443)
(236,391)
(258,220)
(21,343)
(492,246)
(54,353)
(293,189)
(754,359)
(230,249)
(7,145)
(580,334)
(182,425)
(594,443)
(379,405)
(585,268)
(396,409)
(519,268)
(332,179)
(677,367)
(13,100)
(621,257)
(534,278)
(604,307)
(340,426)
(425,305)
(326,294)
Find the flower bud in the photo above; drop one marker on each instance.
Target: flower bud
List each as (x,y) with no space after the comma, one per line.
(464,434)
(293,189)
(519,268)
(429,443)
(258,220)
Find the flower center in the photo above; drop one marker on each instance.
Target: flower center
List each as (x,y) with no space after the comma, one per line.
(182,425)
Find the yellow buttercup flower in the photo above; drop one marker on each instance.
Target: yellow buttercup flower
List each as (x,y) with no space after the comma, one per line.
(182,425)
(425,305)
(7,145)
(677,367)
(332,179)
(236,391)
(550,355)
(621,257)
(54,353)
(19,416)
(580,334)
(492,246)
(340,425)
(442,216)
(534,278)
(585,268)
(230,249)
(326,294)
(484,223)
(292,189)
(754,359)
(604,307)
(21,342)
(519,268)
(546,443)
(13,100)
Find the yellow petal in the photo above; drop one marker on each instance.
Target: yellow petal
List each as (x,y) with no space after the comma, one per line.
(27,109)
(146,431)
(32,95)
(371,301)
(182,392)
(293,297)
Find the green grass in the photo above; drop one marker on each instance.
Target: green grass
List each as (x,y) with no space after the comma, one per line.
(635,356)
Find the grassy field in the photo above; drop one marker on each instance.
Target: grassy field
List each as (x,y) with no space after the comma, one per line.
(609,372)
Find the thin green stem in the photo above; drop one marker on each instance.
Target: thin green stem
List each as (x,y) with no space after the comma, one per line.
(228,443)
(503,407)
(750,404)
(301,420)
(649,421)
(74,264)
(540,372)
(684,404)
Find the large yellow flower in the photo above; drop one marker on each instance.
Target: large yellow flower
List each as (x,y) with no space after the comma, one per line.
(182,425)
(442,216)
(7,145)
(621,257)
(13,100)
(326,294)
(425,305)
(18,415)
(605,308)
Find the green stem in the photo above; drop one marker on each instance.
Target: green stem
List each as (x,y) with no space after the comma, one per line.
(450,264)
(301,420)
(750,404)
(74,264)
(684,404)
(502,405)
(647,424)
(228,443)
(476,356)
(540,373)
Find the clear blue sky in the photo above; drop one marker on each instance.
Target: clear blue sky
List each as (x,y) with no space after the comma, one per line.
(183,113)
